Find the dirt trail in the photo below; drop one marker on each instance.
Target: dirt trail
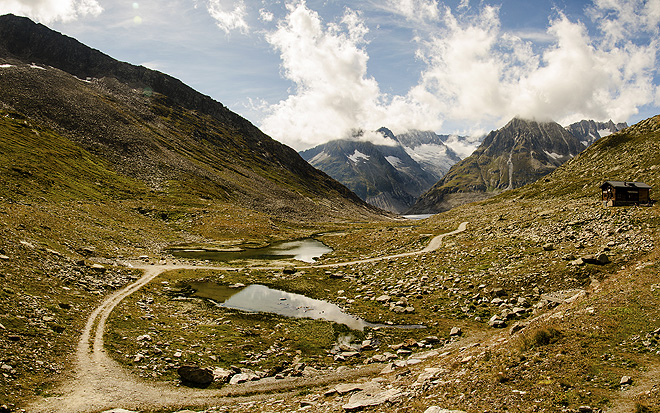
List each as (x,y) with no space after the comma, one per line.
(433,245)
(100,383)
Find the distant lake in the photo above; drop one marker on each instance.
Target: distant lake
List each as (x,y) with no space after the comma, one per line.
(306,250)
(259,298)
(420,216)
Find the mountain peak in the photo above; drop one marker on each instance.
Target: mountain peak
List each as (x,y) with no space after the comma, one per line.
(517,154)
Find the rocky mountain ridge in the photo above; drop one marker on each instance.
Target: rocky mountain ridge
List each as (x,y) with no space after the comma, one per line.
(517,154)
(589,131)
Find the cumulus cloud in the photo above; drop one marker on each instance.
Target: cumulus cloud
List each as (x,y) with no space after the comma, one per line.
(48,11)
(475,72)
(229,15)
(333,94)
(266,15)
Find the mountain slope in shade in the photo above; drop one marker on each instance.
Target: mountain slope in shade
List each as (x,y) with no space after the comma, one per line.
(384,176)
(588,131)
(153,129)
(517,154)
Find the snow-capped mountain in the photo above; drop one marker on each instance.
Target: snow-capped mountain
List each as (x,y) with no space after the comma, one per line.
(389,177)
(589,131)
(429,150)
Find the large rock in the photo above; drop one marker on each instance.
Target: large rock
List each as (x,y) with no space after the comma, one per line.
(371,395)
(195,375)
(222,375)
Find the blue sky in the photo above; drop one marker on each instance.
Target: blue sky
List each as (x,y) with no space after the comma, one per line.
(310,71)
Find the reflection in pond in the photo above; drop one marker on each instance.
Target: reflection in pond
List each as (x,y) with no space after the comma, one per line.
(306,250)
(259,298)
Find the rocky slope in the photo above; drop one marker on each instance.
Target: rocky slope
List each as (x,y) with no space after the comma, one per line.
(101,159)
(517,154)
(152,128)
(547,302)
(389,177)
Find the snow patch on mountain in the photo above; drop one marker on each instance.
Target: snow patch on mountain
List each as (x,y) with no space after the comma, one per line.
(357,156)
(394,161)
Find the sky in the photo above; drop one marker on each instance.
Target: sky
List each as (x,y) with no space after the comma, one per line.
(310,71)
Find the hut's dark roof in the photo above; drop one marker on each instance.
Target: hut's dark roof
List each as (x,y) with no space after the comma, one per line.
(626,184)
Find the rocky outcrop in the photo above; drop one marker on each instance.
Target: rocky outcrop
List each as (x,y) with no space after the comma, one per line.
(195,375)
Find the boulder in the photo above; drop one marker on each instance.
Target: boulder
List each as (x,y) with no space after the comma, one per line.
(498,292)
(239,378)
(221,375)
(383,298)
(456,332)
(600,259)
(195,375)
(496,322)
(372,395)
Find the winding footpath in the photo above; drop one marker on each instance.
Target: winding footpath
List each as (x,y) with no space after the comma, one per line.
(100,383)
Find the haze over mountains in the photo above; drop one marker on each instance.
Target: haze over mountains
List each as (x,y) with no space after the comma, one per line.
(517,154)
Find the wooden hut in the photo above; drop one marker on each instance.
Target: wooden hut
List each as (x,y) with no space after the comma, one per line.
(617,193)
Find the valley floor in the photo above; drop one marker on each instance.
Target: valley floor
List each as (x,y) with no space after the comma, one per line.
(521,315)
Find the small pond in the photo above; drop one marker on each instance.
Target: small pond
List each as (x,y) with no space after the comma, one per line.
(307,250)
(259,298)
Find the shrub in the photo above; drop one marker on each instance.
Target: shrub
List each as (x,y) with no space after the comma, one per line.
(539,338)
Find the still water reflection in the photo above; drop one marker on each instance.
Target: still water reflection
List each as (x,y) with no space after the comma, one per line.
(306,250)
(259,298)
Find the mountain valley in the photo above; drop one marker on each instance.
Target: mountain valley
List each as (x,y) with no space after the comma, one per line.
(538,298)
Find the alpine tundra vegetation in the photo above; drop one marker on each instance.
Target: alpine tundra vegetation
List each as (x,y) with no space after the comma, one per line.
(537,299)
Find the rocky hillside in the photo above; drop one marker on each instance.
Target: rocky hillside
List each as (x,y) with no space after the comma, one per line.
(148,127)
(632,154)
(389,177)
(517,154)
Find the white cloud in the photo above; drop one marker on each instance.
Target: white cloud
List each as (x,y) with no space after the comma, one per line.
(48,11)
(266,15)
(333,94)
(417,10)
(229,15)
(475,72)
(334,97)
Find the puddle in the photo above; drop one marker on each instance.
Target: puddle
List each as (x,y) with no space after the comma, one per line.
(259,298)
(306,250)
